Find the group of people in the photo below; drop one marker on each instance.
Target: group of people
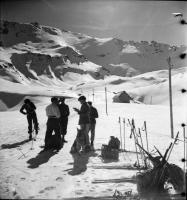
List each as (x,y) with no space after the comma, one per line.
(57,113)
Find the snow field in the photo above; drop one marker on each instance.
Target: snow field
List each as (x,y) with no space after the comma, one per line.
(61,175)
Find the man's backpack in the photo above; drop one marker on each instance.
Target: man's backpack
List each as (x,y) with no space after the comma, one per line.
(95,113)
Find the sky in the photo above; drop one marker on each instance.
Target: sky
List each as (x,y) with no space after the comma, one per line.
(127,20)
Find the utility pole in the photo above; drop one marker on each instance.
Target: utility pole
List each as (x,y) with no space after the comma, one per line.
(170,97)
(93,94)
(106,100)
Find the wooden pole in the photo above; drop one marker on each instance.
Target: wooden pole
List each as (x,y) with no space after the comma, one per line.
(145,127)
(184,157)
(120,132)
(106,100)
(93,94)
(135,140)
(124,132)
(170,98)
(151,100)
(143,153)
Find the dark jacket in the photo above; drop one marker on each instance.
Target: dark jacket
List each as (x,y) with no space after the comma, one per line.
(84,114)
(64,110)
(93,114)
(29,108)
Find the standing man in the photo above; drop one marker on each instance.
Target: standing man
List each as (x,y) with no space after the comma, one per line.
(84,119)
(93,114)
(53,114)
(64,113)
(28,109)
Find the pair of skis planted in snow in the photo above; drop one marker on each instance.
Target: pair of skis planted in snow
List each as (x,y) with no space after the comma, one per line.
(135,136)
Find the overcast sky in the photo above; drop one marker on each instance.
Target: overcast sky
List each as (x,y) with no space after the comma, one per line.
(128,20)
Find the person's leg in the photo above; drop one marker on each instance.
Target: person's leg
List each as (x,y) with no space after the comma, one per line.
(92,130)
(85,130)
(29,119)
(48,132)
(56,127)
(35,122)
(64,128)
(61,125)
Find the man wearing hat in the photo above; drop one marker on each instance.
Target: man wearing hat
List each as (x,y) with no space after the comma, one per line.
(84,118)
(64,113)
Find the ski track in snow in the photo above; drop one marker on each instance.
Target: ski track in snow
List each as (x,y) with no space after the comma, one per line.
(62,175)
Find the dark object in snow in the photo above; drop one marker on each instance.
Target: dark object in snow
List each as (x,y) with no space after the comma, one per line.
(122,97)
(182,21)
(155,179)
(79,142)
(182,55)
(111,151)
(114,143)
(183,90)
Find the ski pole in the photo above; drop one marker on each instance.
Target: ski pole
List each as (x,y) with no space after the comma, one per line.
(166,159)
(132,133)
(145,126)
(21,153)
(142,147)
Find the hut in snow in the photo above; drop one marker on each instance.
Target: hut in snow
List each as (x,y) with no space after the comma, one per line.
(122,97)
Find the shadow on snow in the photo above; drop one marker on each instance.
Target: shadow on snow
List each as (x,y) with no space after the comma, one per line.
(80,163)
(41,158)
(14,145)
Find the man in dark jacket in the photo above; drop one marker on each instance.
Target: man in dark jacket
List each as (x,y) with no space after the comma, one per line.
(84,118)
(93,114)
(64,113)
(28,109)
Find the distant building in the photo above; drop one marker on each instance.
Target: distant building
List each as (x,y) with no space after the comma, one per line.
(122,97)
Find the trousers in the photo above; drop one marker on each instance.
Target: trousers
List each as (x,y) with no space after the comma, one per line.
(92,130)
(52,125)
(32,119)
(63,125)
(85,130)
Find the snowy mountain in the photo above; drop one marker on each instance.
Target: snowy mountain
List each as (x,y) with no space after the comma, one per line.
(38,62)
(129,58)
(42,60)
(34,52)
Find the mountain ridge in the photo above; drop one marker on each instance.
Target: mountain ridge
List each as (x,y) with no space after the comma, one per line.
(35,50)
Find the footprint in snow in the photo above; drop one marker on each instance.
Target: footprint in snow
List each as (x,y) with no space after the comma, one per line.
(47,188)
(59,179)
(79,192)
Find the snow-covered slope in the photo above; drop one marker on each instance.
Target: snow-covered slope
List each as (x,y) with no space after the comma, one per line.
(152,87)
(42,60)
(129,58)
(31,52)
(35,50)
